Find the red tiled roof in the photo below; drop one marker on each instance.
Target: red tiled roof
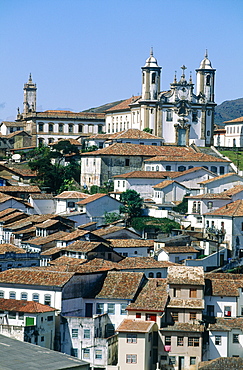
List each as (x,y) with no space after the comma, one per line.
(132,133)
(153,296)
(234,209)
(223,284)
(24,306)
(35,277)
(72,195)
(137,326)
(143,263)
(217,178)
(148,174)
(236,120)
(166,183)
(124,105)
(121,285)
(10,248)
(131,243)
(46,239)
(92,198)
(185,275)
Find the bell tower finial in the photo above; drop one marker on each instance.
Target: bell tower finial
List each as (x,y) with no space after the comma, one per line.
(206,53)
(151,51)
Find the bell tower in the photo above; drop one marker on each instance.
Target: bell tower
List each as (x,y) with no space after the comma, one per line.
(29,96)
(150,78)
(205,79)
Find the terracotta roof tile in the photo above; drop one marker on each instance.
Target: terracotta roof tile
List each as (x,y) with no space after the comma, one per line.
(72,195)
(188,157)
(217,178)
(226,324)
(20,189)
(35,277)
(131,243)
(210,196)
(92,198)
(78,246)
(179,249)
(136,326)
(186,303)
(153,296)
(234,209)
(148,174)
(187,327)
(236,120)
(42,196)
(223,284)
(10,248)
(132,134)
(124,105)
(64,260)
(166,183)
(185,275)
(226,363)
(24,306)
(46,239)
(108,230)
(95,265)
(74,235)
(120,285)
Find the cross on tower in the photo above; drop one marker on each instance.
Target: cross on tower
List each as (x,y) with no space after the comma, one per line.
(183,70)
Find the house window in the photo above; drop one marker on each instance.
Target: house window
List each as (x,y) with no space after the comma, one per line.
(227,311)
(180,341)
(74,352)
(47,299)
(176,292)
(131,359)
(218,340)
(123,309)
(236,338)
(138,315)
(181,168)
(221,170)
(71,204)
(192,360)
(174,316)
(42,339)
(70,128)
(98,354)
(24,296)
(168,168)
(21,316)
(86,353)
(127,162)
(12,315)
(111,308)
(80,128)
(210,205)
(131,338)
(168,115)
(158,274)
(193,315)
(87,333)
(210,310)
(167,340)
(41,126)
(12,295)
(99,308)
(1,294)
(60,127)
(193,293)
(49,318)
(74,333)
(151,275)
(50,127)
(35,297)
(214,169)
(150,317)
(172,360)
(193,342)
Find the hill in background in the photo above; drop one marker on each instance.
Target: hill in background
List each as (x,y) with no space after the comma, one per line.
(228,110)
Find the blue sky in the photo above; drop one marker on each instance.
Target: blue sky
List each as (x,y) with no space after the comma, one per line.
(84,53)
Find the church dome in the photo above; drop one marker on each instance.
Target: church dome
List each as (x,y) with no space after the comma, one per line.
(151,61)
(205,63)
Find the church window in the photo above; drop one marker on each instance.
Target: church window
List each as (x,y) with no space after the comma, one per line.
(80,128)
(168,168)
(209,112)
(143,77)
(70,128)
(208,80)
(41,126)
(208,133)
(194,116)
(168,115)
(60,127)
(214,169)
(153,78)
(109,127)
(50,127)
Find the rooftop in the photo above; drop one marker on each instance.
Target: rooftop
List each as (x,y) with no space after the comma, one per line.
(236,120)
(92,198)
(226,363)
(72,195)
(230,174)
(148,174)
(188,327)
(226,324)
(10,248)
(143,263)
(186,303)
(131,243)
(124,105)
(223,284)
(23,306)
(186,275)
(121,285)
(234,209)
(136,326)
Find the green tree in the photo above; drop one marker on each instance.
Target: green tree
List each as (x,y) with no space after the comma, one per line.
(132,203)
(111,217)
(149,130)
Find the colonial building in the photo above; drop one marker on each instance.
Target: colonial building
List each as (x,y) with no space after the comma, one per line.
(231,135)
(180,116)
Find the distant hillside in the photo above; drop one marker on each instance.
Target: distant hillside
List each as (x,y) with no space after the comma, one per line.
(228,110)
(102,108)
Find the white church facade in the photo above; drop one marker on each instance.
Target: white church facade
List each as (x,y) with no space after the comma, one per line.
(180,116)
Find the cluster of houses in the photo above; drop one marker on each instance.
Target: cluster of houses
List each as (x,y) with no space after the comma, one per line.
(112,297)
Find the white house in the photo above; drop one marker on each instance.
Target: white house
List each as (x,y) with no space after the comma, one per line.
(220,183)
(231,135)
(169,191)
(133,247)
(42,203)
(66,201)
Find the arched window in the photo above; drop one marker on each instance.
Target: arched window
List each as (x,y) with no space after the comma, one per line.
(35,297)
(194,207)
(70,128)
(41,126)
(60,127)
(208,80)
(210,205)
(199,207)
(151,275)
(12,295)
(157,168)
(153,78)
(181,168)
(221,170)
(50,127)
(80,128)
(24,296)
(158,275)
(189,167)
(214,169)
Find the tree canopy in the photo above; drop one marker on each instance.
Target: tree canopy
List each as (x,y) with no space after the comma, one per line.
(132,203)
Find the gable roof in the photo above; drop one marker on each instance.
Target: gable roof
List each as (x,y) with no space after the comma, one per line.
(219,178)
(46,239)
(120,285)
(223,284)
(136,326)
(24,306)
(166,183)
(236,120)
(226,363)
(234,209)
(179,249)
(187,157)
(72,195)
(4,248)
(124,105)
(185,275)
(132,133)
(92,198)
(148,174)
(112,230)
(78,246)
(153,296)
(35,277)
(131,243)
